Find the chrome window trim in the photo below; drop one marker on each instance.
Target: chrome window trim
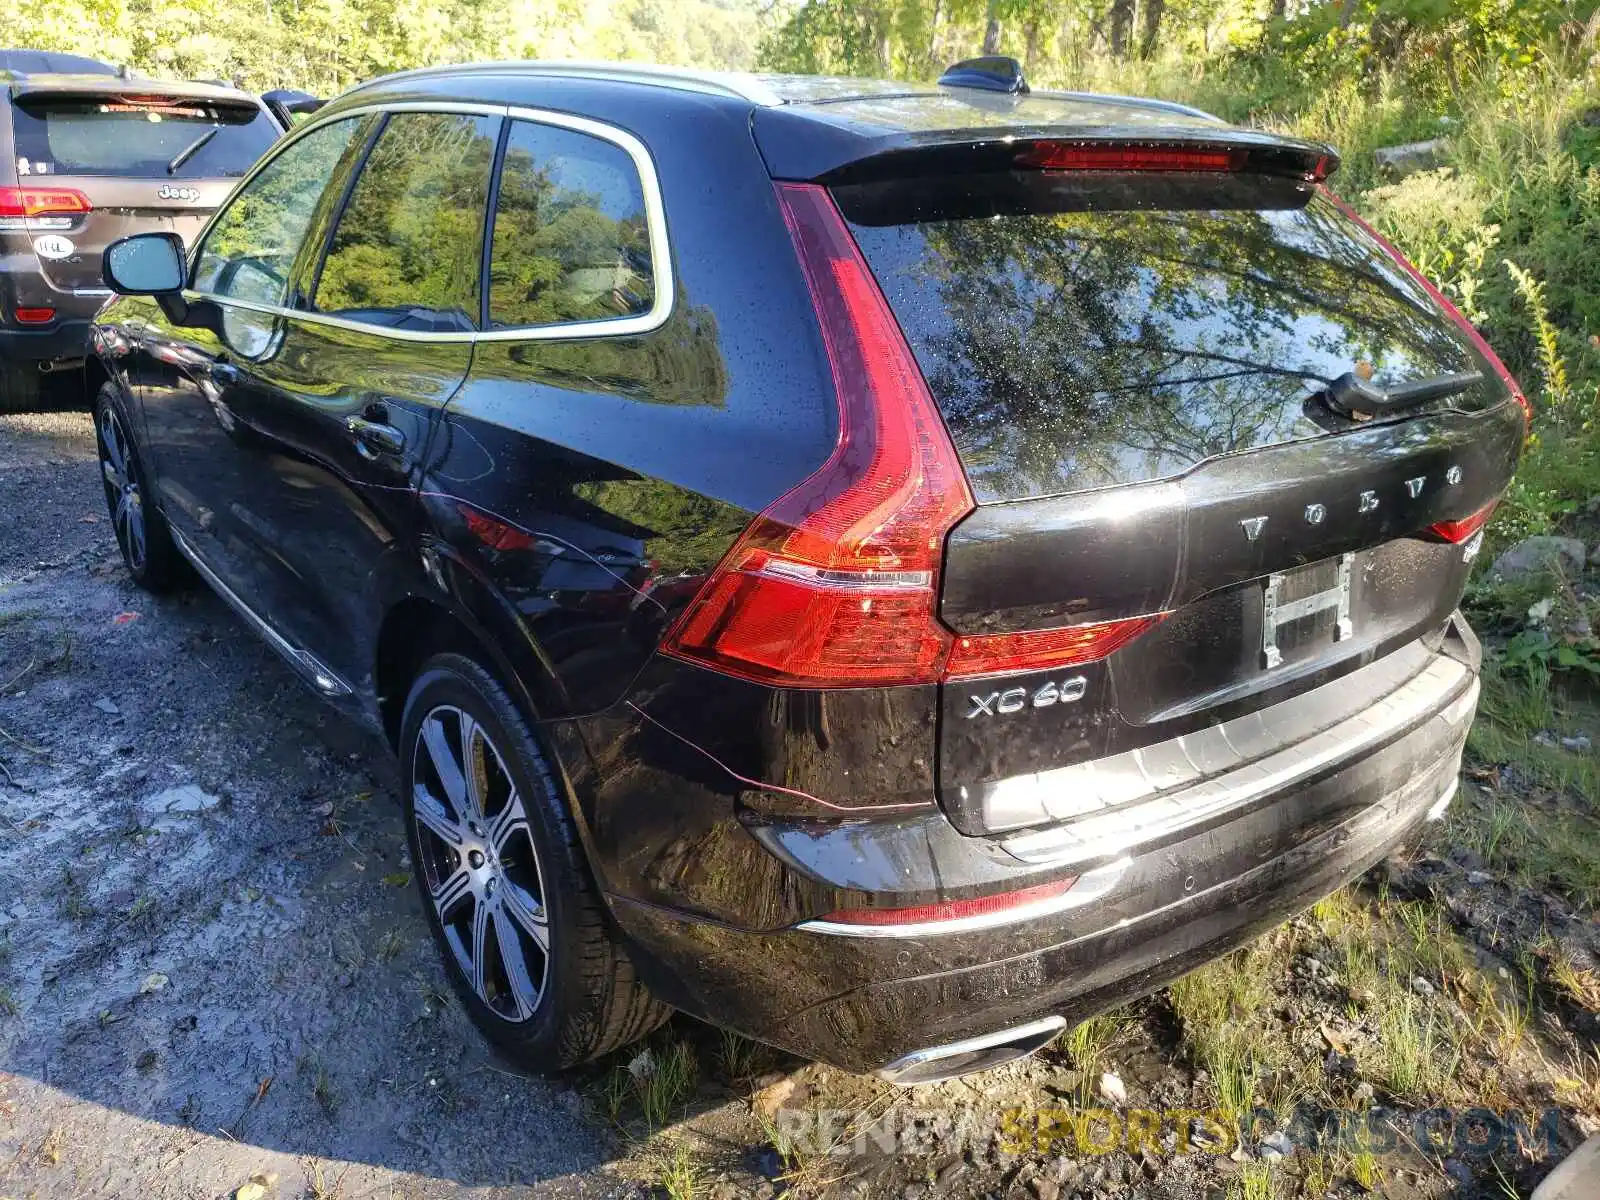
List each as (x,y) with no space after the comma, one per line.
(655,224)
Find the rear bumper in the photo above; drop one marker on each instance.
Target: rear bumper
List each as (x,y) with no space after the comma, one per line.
(873,1003)
(67,338)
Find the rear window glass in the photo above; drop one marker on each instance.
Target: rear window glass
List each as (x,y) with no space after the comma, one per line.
(1082,334)
(570,238)
(176,138)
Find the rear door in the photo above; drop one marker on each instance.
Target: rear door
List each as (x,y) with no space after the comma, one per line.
(1130,365)
(137,162)
(341,395)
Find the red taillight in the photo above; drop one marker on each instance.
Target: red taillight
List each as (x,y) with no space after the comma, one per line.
(951,910)
(1004,653)
(836,584)
(492,533)
(1059,156)
(1444,302)
(40,315)
(42,201)
(1460,531)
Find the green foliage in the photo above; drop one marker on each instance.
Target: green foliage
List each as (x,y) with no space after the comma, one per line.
(325,46)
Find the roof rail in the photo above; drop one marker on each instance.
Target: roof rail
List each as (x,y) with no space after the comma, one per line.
(991,73)
(733,84)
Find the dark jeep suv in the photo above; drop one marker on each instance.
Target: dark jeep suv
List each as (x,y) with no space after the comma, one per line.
(889,569)
(89,155)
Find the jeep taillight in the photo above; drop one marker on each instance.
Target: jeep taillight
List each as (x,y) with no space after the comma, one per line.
(836,584)
(43,201)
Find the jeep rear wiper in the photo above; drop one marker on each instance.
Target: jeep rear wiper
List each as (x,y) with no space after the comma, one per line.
(1361,399)
(192,149)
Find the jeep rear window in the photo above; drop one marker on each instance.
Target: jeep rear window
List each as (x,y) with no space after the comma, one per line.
(1083,331)
(138,137)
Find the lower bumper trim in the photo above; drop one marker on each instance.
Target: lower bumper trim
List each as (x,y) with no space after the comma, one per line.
(938,1063)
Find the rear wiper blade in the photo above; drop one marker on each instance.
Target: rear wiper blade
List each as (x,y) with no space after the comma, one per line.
(1361,399)
(192,149)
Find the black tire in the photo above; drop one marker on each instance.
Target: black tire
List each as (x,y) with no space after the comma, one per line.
(137,523)
(589,1000)
(20,389)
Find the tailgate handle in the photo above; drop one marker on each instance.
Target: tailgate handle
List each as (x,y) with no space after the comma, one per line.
(1361,399)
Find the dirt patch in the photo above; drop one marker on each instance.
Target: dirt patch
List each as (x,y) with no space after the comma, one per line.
(211,961)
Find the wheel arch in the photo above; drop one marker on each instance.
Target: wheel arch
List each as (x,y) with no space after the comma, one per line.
(468,616)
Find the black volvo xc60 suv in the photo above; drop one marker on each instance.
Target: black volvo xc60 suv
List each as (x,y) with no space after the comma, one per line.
(888,569)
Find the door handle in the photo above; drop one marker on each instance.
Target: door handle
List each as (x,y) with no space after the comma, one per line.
(375,437)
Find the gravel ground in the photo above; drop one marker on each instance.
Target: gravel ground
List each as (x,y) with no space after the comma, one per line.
(212,964)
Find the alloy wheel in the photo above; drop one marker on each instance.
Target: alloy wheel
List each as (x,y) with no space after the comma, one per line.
(123,496)
(479,864)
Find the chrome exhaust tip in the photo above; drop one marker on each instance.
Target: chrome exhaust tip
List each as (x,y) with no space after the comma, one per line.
(938,1063)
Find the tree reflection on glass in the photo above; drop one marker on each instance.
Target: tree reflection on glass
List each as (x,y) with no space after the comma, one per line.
(1082,349)
(407,247)
(570,239)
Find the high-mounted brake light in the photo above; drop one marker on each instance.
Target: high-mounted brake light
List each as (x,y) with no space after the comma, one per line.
(1455,314)
(42,201)
(1459,531)
(1059,156)
(836,584)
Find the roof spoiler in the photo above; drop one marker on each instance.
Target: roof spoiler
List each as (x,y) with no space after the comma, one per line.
(832,155)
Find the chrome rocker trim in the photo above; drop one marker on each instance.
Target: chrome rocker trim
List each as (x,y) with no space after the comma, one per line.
(308,665)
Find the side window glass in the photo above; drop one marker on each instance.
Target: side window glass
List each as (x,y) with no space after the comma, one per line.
(250,251)
(571,241)
(406,250)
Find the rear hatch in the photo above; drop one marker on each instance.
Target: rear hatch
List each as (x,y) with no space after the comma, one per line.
(100,159)
(1132,365)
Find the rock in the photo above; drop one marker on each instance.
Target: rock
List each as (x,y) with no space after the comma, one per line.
(108,706)
(1363,1092)
(186,798)
(1537,554)
(1276,1145)
(1046,1188)
(915,1191)
(1400,161)
(1544,737)
(1578,745)
(1112,1089)
(1479,878)
(153,982)
(1579,627)
(1421,986)
(773,1097)
(261,1183)
(1459,1172)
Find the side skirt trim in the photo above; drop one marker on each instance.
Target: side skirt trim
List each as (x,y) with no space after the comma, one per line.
(326,681)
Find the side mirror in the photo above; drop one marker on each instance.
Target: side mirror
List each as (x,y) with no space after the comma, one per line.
(147,264)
